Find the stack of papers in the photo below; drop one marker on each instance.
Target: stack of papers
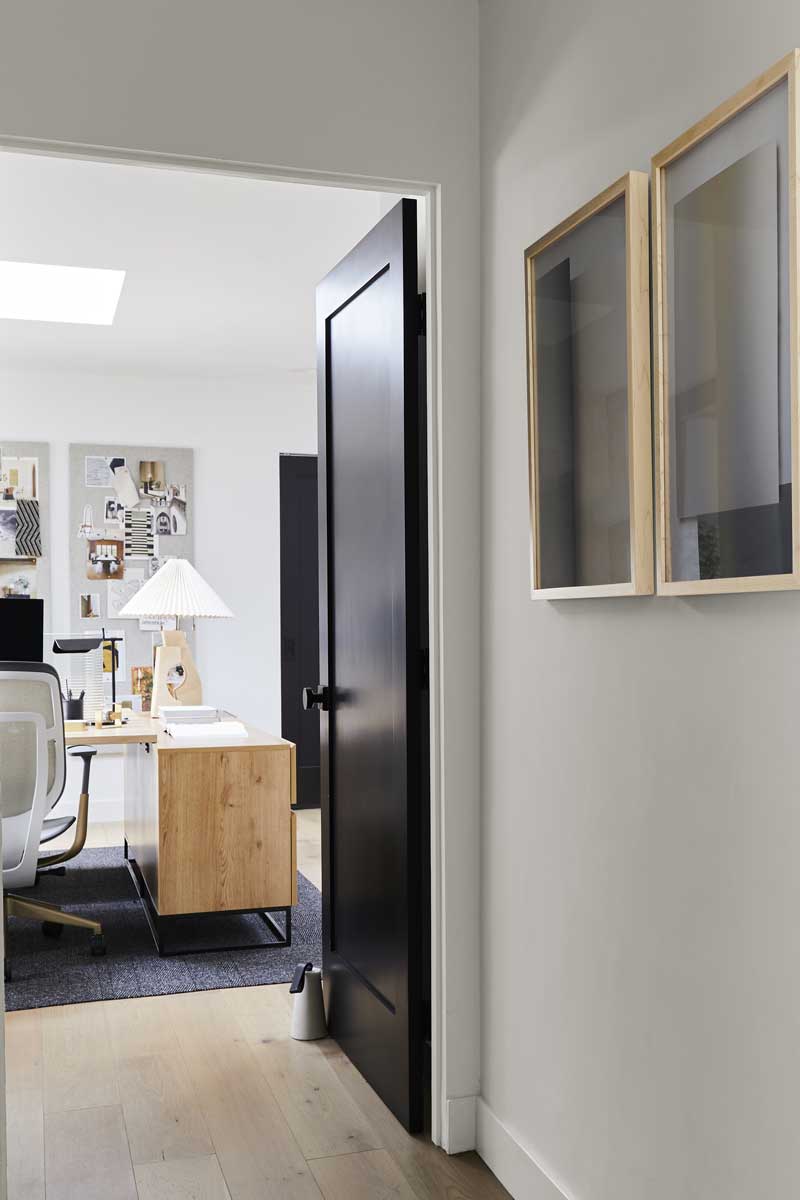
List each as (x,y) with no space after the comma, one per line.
(175,713)
(190,731)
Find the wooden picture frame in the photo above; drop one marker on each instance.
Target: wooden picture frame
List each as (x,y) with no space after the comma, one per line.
(634,275)
(669,514)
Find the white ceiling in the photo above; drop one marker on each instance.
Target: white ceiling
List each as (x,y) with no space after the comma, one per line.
(220,271)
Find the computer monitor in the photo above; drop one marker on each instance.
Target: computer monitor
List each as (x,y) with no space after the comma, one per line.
(21,629)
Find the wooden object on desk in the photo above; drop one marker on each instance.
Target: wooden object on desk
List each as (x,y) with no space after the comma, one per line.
(209,824)
(140,728)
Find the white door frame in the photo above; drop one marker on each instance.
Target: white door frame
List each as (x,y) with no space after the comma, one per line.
(441,1117)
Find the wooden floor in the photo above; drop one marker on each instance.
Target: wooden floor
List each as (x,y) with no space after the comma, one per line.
(205,1097)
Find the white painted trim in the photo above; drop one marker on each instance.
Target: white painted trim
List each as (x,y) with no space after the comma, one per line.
(436,675)
(514,1166)
(431,194)
(461,1126)
(3,1153)
(102,809)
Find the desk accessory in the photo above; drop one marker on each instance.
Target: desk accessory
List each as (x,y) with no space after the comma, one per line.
(194,730)
(85,671)
(176,590)
(308,1010)
(188,714)
(73,705)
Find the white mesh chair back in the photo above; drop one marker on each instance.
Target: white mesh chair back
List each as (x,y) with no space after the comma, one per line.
(32,763)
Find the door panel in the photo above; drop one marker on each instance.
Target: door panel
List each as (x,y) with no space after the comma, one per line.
(300,616)
(371,565)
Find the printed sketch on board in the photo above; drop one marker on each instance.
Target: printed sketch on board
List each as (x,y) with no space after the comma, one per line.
(99,470)
(119,593)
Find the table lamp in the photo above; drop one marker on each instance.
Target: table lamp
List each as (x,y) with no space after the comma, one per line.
(176,590)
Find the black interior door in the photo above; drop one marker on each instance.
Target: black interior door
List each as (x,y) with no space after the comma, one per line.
(372,660)
(300,616)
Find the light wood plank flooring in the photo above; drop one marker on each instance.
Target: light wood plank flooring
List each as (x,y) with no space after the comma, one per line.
(205,1097)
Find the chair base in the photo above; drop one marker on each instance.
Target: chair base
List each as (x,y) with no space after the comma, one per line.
(53,919)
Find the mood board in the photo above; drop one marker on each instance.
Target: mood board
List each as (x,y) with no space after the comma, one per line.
(24,521)
(130,510)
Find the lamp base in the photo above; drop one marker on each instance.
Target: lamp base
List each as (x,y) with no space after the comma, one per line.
(175,677)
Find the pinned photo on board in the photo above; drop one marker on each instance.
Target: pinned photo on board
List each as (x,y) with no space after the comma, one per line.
(114,511)
(142,685)
(171,519)
(89,609)
(19,477)
(105,558)
(8,529)
(152,478)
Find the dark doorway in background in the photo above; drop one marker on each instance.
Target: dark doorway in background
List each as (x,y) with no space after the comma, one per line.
(300,616)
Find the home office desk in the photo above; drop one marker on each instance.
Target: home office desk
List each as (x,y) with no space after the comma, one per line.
(138,729)
(209,825)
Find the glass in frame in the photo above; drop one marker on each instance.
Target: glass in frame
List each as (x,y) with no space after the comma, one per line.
(724,232)
(589,399)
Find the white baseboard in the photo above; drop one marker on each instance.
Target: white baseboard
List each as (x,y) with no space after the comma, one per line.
(460,1125)
(105,810)
(516,1169)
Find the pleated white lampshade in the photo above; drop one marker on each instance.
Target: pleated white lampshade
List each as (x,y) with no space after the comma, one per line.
(176,590)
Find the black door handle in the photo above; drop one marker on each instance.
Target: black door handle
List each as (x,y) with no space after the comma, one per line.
(315,697)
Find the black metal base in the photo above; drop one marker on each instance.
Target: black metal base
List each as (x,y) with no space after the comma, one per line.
(160,926)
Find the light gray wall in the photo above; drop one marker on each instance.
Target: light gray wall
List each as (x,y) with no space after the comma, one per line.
(641,827)
(360,86)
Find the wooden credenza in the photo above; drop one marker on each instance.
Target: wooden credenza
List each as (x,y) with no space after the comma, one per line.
(209,828)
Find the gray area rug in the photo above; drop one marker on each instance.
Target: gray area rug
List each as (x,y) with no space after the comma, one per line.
(46,971)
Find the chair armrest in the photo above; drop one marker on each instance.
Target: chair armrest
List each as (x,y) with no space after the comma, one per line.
(87,753)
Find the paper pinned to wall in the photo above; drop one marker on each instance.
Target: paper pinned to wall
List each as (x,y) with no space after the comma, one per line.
(121,591)
(139,533)
(99,469)
(29,529)
(19,476)
(8,529)
(125,487)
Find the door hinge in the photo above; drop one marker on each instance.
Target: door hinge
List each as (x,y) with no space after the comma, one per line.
(422,315)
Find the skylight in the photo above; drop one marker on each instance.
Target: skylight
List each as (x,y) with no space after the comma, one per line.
(76,295)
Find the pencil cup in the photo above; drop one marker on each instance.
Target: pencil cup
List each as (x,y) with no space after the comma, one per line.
(73,709)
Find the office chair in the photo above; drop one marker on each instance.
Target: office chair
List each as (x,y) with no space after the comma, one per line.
(32,779)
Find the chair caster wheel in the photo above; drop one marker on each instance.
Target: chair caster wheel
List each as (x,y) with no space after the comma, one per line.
(52,929)
(98,945)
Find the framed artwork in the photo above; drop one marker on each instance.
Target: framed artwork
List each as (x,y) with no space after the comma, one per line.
(589,428)
(725,226)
